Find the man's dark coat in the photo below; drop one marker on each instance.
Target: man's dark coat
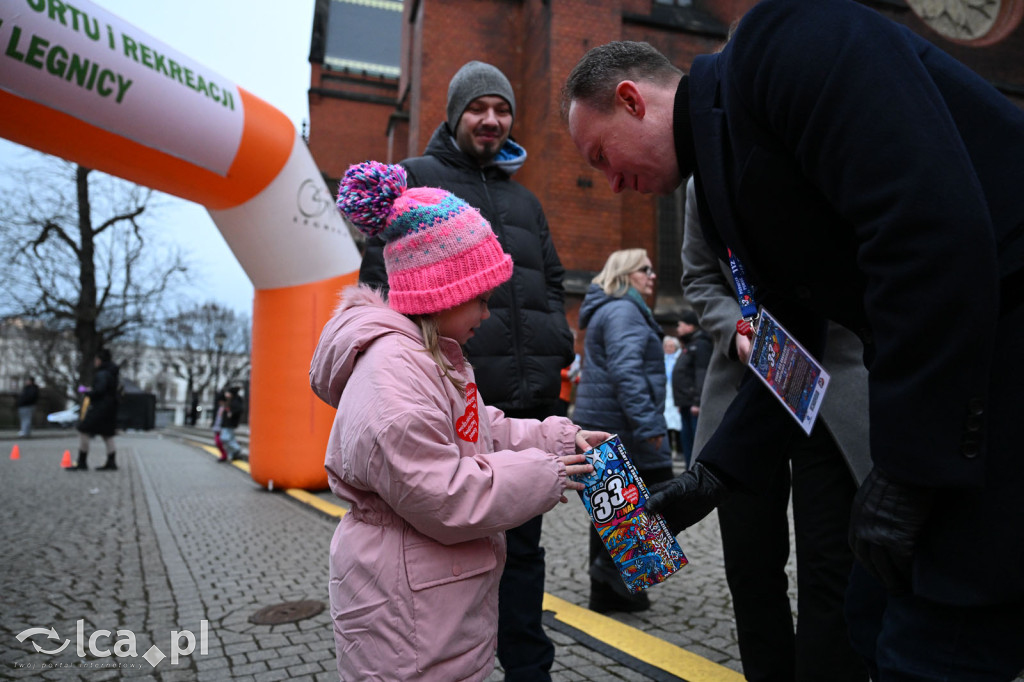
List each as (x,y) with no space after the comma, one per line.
(864,176)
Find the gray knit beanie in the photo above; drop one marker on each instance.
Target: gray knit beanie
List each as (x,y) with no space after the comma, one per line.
(476,79)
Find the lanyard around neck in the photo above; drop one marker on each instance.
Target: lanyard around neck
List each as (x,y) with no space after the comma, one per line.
(744,292)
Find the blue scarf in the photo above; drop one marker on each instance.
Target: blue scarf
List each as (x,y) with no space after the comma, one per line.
(634,295)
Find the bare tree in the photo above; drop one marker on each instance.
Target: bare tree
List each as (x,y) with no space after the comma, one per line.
(210,346)
(77,259)
(52,351)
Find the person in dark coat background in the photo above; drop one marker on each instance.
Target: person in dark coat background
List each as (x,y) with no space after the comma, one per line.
(27,406)
(100,418)
(622,391)
(519,352)
(687,380)
(234,407)
(863,176)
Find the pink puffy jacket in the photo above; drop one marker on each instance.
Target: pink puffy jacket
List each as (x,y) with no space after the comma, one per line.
(415,563)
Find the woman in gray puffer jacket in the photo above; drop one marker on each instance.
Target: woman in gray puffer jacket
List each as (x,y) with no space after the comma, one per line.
(622,391)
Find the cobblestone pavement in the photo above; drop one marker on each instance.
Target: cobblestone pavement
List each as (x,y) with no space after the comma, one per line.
(174,539)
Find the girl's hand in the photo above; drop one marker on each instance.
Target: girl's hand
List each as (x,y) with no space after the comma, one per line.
(575,465)
(585,440)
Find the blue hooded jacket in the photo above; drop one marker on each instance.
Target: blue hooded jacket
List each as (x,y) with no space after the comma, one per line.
(622,381)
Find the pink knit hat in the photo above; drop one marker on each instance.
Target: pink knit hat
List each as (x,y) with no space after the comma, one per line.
(439,251)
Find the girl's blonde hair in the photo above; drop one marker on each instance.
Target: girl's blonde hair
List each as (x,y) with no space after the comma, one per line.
(432,345)
(614,277)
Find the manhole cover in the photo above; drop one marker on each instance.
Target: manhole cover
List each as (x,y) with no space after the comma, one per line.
(288,612)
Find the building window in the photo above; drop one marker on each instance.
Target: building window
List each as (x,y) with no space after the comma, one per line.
(364,36)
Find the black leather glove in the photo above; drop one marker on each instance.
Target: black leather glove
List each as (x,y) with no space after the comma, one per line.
(688,497)
(885,524)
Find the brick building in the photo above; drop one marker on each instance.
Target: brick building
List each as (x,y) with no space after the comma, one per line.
(380,71)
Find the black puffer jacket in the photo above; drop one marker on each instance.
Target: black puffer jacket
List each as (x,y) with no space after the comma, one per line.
(519,352)
(101,417)
(233,413)
(691,368)
(29,396)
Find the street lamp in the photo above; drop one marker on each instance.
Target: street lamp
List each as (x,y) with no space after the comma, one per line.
(218,338)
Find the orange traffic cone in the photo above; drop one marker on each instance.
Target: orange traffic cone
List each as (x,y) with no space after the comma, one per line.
(15,454)
(66,462)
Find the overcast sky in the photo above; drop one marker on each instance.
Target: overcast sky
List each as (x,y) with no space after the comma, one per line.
(259,45)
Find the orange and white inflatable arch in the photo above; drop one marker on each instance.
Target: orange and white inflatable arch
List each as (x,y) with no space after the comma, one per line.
(80,83)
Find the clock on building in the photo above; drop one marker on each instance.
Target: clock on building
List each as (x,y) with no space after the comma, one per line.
(974,22)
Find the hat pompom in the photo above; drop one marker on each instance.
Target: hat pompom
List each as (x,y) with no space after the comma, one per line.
(367,192)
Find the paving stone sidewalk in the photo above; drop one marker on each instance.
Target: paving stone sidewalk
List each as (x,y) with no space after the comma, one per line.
(174,539)
(170,540)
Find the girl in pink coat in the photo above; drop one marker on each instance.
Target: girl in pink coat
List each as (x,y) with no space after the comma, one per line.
(432,475)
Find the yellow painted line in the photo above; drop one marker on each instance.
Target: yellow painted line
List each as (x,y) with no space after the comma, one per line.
(207,448)
(238,463)
(314,501)
(302,496)
(640,645)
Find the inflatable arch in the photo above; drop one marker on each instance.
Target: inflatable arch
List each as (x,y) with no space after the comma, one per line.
(80,83)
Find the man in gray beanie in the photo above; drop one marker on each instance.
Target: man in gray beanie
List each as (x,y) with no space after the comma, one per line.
(471,155)
(473,80)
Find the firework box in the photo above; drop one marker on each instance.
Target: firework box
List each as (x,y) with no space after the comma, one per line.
(640,544)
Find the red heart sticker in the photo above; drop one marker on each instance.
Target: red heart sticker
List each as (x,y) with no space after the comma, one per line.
(467,427)
(631,494)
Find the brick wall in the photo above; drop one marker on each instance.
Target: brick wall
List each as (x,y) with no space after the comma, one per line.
(348,119)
